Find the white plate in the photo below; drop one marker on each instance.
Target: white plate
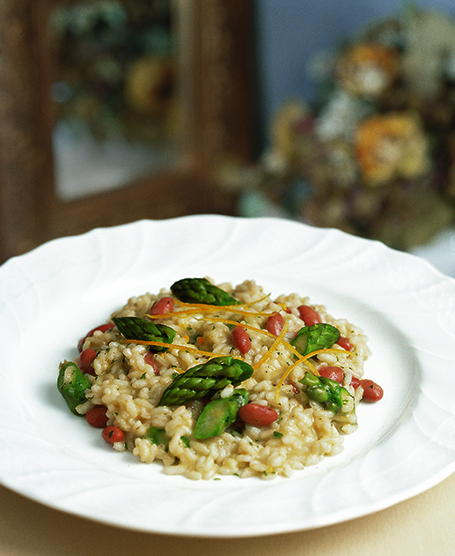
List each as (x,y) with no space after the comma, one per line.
(50,297)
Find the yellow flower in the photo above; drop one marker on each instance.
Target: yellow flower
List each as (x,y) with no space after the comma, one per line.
(367,69)
(391,146)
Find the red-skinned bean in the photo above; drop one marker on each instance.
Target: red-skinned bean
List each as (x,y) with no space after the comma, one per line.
(101,328)
(345,343)
(309,315)
(86,358)
(275,324)
(332,372)
(257,414)
(240,339)
(162,306)
(372,392)
(113,434)
(96,416)
(355,382)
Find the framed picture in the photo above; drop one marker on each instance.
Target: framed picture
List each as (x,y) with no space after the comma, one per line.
(119,110)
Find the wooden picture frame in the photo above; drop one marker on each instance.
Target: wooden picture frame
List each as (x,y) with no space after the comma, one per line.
(216,80)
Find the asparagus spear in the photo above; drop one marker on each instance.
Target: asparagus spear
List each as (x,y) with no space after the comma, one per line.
(72,385)
(326,391)
(200,290)
(205,380)
(218,414)
(135,328)
(318,336)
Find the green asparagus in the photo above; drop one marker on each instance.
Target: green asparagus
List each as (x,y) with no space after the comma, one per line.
(312,338)
(218,414)
(205,380)
(72,385)
(327,392)
(200,290)
(135,328)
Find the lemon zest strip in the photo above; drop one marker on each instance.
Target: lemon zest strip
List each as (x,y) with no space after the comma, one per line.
(202,307)
(273,347)
(178,346)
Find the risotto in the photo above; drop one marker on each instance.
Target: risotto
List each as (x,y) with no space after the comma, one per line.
(214,380)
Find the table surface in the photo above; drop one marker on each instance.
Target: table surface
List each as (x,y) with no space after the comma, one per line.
(422,525)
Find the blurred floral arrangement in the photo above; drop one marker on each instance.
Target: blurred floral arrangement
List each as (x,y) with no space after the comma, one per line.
(115,68)
(375,156)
